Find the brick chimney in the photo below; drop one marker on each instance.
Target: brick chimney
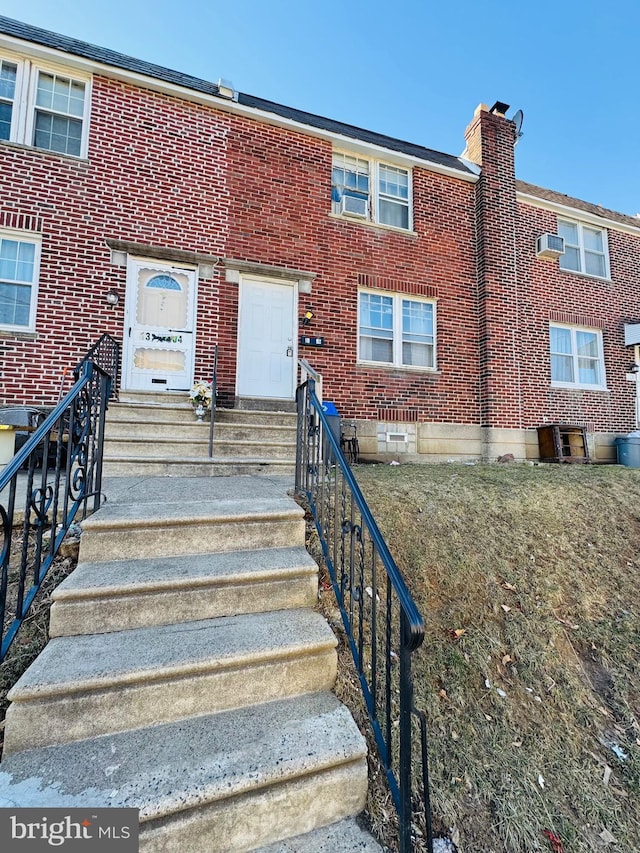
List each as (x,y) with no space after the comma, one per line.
(490,142)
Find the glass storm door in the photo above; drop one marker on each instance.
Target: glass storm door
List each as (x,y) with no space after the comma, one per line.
(159,327)
(266,345)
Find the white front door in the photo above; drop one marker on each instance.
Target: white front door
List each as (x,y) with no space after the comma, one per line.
(266,339)
(159,327)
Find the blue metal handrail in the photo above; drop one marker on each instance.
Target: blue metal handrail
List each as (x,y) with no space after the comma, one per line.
(381,620)
(63,462)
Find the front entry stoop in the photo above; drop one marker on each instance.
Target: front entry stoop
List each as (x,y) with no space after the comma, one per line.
(188,676)
(157,435)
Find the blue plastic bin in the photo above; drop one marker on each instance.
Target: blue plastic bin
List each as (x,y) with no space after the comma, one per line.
(628,448)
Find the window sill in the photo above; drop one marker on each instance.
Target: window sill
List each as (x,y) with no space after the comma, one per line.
(606,278)
(566,386)
(21,146)
(27,334)
(376,226)
(398,368)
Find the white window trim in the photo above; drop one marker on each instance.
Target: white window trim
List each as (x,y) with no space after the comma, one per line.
(36,239)
(605,246)
(574,355)
(397,364)
(373,206)
(24,106)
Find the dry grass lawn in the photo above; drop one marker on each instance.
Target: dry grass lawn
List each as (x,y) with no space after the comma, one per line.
(528,581)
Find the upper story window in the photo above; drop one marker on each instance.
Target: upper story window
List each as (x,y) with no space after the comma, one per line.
(577,358)
(19,259)
(43,107)
(369,190)
(396,330)
(585,248)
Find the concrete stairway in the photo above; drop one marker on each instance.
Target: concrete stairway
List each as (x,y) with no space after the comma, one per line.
(158,435)
(189,677)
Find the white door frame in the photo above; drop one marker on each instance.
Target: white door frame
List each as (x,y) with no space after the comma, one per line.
(292,283)
(128,343)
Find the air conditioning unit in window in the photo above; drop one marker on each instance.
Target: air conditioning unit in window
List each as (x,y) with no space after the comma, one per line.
(550,246)
(351,205)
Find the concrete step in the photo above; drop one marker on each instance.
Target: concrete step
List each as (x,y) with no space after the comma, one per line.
(265,404)
(161,447)
(344,836)
(166,398)
(256,416)
(169,526)
(183,429)
(181,411)
(155,411)
(125,466)
(225,783)
(96,684)
(124,594)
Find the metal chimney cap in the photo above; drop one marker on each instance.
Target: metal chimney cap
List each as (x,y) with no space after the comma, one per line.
(499,108)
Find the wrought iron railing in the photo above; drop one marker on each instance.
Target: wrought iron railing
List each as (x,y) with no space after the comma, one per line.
(55,478)
(214,392)
(382,623)
(105,353)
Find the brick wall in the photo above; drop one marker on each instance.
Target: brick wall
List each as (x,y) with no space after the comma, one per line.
(175,175)
(280,189)
(155,175)
(554,295)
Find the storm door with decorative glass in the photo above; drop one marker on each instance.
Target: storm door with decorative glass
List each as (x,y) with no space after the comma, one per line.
(159,327)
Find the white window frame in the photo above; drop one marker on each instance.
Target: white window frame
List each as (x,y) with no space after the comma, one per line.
(580,226)
(24,102)
(375,196)
(35,240)
(397,332)
(576,384)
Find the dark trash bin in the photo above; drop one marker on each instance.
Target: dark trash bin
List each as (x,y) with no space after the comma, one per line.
(628,449)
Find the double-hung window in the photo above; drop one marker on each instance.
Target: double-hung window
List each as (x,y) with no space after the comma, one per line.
(369,190)
(8,79)
(43,107)
(397,330)
(585,248)
(576,357)
(19,259)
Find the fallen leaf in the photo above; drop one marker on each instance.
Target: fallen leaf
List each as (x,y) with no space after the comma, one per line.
(508,586)
(505,607)
(507,659)
(607,838)
(455,735)
(443,694)
(459,632)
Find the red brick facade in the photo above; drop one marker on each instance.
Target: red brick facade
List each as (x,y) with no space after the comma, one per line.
(166,173)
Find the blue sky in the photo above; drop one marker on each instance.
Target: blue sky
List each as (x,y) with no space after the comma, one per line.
(413,69)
